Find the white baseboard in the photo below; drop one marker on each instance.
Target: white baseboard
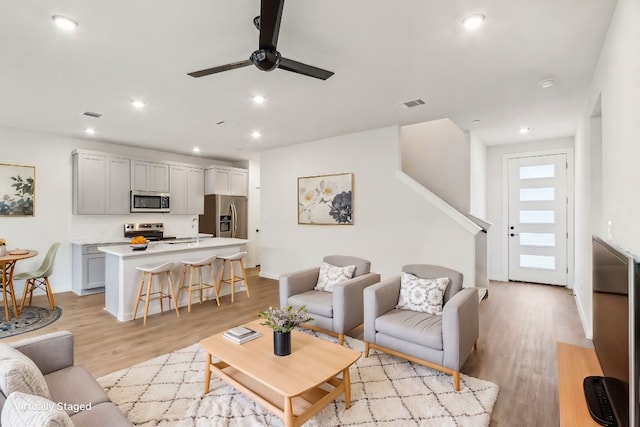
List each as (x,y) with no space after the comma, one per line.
(587,330)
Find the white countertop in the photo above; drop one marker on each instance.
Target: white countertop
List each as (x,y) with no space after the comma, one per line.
(168,246)
(125,240)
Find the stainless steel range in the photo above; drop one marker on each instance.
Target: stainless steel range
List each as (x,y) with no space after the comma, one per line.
(151,231)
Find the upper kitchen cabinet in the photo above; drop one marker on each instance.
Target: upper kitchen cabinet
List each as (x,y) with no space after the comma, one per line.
(149,176)
(187,190)
(100,184)
(226,180)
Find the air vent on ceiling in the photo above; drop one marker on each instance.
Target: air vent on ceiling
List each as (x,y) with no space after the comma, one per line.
(412,103)
(91,114)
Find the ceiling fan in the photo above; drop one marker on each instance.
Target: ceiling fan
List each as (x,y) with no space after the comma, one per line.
(267,58)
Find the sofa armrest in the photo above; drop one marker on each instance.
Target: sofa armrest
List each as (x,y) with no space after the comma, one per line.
(379,299)
(348,301)
(460,327)
(297,283)
(50,352)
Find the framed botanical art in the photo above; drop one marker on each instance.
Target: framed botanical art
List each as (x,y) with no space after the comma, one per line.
(17,190)
(326,199)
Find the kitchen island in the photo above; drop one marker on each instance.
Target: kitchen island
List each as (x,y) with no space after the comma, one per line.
(122,278)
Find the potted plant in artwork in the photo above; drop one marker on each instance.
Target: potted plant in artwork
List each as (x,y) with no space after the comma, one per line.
(283,321)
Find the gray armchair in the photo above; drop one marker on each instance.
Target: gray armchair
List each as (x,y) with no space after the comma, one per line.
(441,342)
(334,312)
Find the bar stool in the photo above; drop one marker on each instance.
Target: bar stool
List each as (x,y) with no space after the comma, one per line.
(230,259)
(147,273)
(192,266)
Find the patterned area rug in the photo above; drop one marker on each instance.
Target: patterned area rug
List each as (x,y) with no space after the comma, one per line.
(386,391)
(31,318)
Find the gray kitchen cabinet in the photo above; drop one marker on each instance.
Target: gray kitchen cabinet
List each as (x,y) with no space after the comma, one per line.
(226,180)
(149,176)
(88,271)
(187,190)
(100,184)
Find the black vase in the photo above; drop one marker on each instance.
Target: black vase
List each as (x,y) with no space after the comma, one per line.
(281,343)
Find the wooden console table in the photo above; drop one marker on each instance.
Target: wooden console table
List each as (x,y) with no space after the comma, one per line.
(575,363)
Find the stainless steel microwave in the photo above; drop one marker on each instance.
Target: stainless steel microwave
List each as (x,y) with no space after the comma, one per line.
(149,201)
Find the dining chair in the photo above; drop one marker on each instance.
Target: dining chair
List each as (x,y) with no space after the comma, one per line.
(39,278)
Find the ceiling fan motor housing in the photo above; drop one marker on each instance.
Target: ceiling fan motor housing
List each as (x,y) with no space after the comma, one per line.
(266,60)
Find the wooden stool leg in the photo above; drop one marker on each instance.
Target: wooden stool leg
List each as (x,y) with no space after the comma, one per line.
(244,277)
(160,292)
(200,282)
(191,273)
(181,281)
(49,293)
(135,310)
(147,298)
(214,284)
(171,295)
(232,274)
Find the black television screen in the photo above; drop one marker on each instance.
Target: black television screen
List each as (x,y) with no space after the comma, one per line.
(614,326)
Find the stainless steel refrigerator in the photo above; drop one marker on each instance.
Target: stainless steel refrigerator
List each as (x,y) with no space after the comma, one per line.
(224,216)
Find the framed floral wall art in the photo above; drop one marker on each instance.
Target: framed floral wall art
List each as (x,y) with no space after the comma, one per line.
(326,199)
(17,189)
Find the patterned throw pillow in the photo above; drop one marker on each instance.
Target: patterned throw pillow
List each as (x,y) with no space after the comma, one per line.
(19,373)
(27,410)
(424,295)
(331,275)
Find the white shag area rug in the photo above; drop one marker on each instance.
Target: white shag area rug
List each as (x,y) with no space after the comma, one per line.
(385,391)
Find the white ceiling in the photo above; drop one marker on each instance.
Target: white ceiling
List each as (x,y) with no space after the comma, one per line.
(382,53)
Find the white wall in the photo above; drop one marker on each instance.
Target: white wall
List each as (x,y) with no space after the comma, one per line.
(495,199)
(616,85)
(53,220)
(477,176)
(436,154)
(393,226)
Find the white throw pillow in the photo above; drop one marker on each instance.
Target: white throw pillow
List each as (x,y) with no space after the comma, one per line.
(331,275)
(424,295)
(27,410)
(19,373)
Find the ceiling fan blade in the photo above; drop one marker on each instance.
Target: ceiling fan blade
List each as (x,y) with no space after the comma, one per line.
(221,68)
(270,17)
(307,70)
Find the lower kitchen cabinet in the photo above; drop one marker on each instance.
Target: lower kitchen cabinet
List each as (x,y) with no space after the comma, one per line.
(88,269)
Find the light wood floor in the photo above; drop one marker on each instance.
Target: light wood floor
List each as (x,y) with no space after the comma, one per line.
(519,327)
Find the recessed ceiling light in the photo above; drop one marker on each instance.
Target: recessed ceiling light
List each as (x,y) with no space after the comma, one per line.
(64,22)
(90,131)
(546,83)
(196,149)
(258,99)
(524,130)
(138,104)
(474,21)
(256,134)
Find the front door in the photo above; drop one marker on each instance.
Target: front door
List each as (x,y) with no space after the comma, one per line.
(538,219)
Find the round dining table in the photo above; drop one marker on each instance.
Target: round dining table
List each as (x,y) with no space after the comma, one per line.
(7,265)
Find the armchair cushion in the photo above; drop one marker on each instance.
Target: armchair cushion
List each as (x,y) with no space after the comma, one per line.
(316,302)
(19,373)
(331,275)
(419,328)
(423,295)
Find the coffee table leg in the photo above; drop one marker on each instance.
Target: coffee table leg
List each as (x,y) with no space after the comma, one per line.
(207,373)
(346,380)
(288,412)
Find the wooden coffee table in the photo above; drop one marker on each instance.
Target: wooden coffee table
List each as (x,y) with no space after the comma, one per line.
(293,387)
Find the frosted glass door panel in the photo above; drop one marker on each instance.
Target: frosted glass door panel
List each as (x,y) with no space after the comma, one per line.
(538,239)
(537,229)
(538,171)
(537,194)
(538,261)
(537,217)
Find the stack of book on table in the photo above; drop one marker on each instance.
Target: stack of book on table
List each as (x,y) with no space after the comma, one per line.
(241,334)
